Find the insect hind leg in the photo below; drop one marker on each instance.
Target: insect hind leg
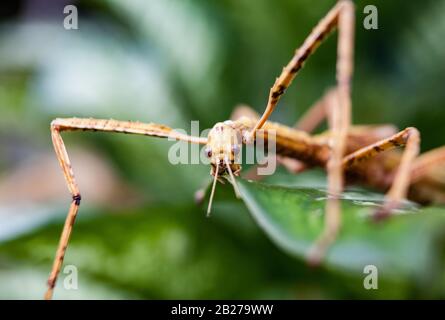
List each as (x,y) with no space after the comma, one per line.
(65,163)
(408,138)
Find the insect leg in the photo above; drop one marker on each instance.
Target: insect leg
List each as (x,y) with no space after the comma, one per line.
(340,122)
(316,37)
(74,124)
(408,138)
(64,161)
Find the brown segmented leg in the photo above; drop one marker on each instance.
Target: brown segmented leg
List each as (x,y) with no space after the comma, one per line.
(408,138)
(318,34)
(339,126)
(399,139)
(75,124)
(342,14)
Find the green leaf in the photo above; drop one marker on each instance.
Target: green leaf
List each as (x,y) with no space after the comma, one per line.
(405,246)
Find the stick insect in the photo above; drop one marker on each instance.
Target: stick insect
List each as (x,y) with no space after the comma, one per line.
(346,152)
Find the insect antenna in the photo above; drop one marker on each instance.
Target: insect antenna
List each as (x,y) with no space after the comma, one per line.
(209,208)
(235,186)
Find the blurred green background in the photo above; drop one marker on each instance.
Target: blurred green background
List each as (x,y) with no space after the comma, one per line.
(139,233)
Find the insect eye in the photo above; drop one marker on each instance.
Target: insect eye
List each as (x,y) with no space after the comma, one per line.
(208,152)
(235,149)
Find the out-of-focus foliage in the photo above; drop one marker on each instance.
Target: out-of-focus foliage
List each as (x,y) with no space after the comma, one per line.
(172,61)
(164,252)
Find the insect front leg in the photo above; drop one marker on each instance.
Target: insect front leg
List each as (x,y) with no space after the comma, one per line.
(341,15)
(104,125)
(65,163)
